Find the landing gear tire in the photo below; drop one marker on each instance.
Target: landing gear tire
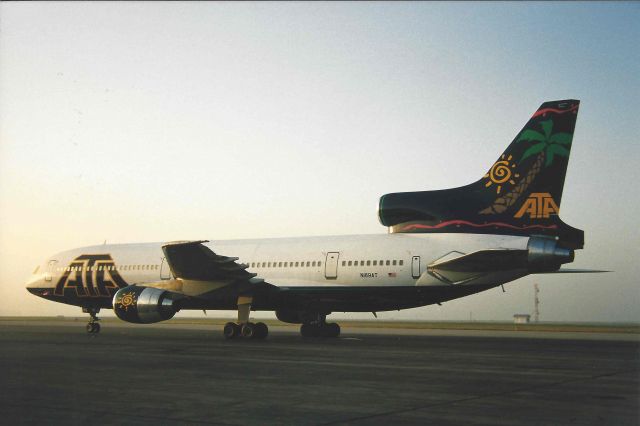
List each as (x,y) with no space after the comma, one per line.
(333,330)
(231,330)
(248,330)
(308,330)
(262,330)
(92,326)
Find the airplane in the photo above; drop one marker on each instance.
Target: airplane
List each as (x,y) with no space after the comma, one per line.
(440,245)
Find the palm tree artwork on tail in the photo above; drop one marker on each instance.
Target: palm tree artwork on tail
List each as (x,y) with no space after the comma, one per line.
(546,146)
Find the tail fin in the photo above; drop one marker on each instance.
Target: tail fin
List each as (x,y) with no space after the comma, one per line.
(535,162)
(520,194)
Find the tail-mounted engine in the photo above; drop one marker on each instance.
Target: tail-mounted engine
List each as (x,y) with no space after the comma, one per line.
(144,305)
(544,254)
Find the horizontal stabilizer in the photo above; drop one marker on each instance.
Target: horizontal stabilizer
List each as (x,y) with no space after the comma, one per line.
(575,271)
(484,261)
(468,267)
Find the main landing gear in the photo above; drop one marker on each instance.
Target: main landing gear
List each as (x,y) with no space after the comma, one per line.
(93,327)
(244,328)
(319,327)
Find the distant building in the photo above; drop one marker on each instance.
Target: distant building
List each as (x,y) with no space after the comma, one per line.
(521,318)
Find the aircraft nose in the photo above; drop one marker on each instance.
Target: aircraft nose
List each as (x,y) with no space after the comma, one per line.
(34,281)
(37,285)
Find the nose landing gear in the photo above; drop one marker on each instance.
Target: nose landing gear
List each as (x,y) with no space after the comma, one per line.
(93,327)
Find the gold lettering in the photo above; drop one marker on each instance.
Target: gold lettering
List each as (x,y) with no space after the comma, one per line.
(538,205)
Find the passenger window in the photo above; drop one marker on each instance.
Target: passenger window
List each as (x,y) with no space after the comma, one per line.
(375,263)
(362,263)
(388,263)
(368,263)
(350,263)
(264,264)
(344,263)
(308,264)
(319,263)
(296,264)
(401,262)
(394,263)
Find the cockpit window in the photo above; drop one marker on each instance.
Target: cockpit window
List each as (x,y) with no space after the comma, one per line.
(35,271)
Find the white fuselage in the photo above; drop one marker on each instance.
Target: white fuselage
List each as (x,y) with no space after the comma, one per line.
(354,260)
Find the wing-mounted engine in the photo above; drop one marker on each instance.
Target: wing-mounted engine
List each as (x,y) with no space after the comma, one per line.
(144,305)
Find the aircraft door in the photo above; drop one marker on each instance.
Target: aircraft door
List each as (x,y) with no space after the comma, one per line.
(51,268)
(415,266)
(165,271)
(331,265)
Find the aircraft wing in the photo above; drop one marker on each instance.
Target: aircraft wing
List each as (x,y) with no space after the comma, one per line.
(201,270)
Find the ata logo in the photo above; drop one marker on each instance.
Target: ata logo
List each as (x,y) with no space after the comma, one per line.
(91,275)
(128,299)
(501,174)
(538,205)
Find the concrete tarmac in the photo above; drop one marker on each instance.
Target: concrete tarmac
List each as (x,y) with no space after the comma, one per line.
(53,373)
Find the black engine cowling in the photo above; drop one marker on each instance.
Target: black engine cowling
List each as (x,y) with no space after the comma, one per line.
(144,305)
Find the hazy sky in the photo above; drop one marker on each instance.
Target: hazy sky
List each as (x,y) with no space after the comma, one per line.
(132,122)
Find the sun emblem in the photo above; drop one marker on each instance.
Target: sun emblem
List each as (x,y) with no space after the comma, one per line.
(501,173)
(128,299)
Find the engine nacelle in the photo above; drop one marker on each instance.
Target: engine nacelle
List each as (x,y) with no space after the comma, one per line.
(544,255)
(144,305)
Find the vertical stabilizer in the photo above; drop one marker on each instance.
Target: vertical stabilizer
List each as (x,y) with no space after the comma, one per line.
(520,194)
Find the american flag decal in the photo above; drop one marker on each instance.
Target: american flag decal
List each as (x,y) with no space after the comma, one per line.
(392,274)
